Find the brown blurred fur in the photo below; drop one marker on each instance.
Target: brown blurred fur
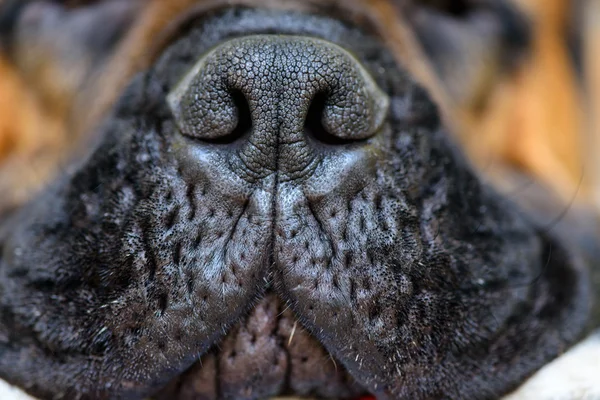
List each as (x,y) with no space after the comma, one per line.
(535,120)
(31,138)
(531,118)
(591,37)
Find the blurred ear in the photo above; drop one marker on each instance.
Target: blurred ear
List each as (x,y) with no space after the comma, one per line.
(501,73)
(58,46)
(589,30)
(50,55)
(460,49)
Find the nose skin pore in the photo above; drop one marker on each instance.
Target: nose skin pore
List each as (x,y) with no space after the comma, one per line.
(302,94)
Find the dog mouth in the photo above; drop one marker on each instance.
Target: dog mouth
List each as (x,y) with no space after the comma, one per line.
(267,354)
(288,203)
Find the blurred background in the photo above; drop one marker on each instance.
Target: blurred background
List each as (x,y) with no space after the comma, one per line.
(546,120)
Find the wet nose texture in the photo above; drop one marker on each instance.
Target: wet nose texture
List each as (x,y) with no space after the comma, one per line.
(278,104)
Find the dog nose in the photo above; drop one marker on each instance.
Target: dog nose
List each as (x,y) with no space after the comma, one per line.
(278,103)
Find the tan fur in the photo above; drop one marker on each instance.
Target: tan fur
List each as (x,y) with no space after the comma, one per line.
(534,120)
(591,21)
(31,138)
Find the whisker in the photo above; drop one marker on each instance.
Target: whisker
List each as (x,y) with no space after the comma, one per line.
(292,333)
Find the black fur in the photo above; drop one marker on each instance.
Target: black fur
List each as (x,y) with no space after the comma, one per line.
(10,12)
(419,279)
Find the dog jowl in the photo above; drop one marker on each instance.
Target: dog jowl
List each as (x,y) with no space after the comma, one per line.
(273,207)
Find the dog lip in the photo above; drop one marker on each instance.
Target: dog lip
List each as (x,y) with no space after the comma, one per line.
(266,355)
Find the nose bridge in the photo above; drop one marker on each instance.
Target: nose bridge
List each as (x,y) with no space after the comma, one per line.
(253,71)
(279,101)
(278,78)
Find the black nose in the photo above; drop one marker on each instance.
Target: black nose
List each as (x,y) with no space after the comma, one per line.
(278,102)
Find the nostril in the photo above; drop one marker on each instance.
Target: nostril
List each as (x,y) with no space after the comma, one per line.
(259,84)
(313,124)
(207,109)
(244,120)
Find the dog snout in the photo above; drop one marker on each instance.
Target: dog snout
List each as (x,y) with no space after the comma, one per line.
(278,104)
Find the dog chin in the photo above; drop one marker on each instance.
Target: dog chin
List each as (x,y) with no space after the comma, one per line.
(574,375)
